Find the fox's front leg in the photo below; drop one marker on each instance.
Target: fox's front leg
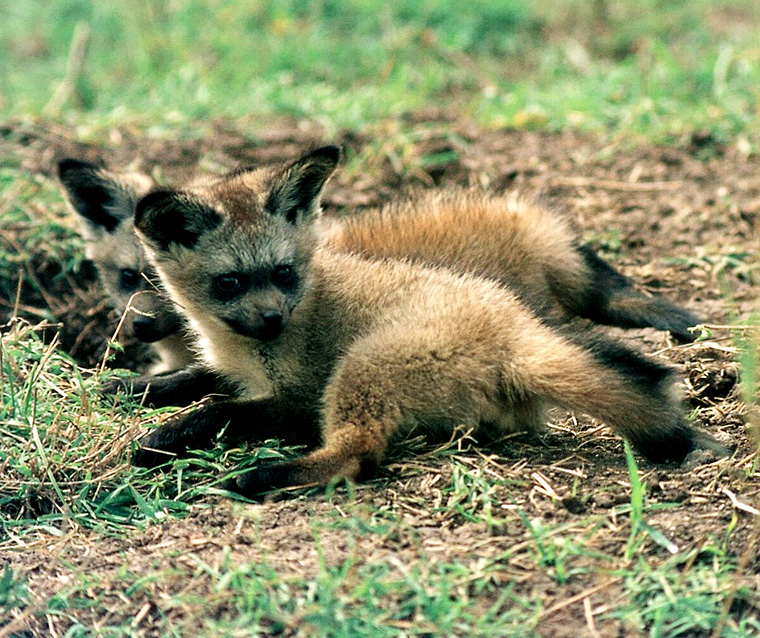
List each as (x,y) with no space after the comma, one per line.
(250,421)
(364,405)
(180,387)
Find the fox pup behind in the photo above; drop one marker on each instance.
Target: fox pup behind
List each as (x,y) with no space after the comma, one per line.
(335,349)
(104,203)
(514,240)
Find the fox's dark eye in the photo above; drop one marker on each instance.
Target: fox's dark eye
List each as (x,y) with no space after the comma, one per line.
(229,284)
(129,278)
(283,276)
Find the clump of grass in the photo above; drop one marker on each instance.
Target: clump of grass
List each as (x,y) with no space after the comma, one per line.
(36,235)
(354,598)
(13,592)
(640,529)
(64,449)
(685,596)
(14,600)
(59,449)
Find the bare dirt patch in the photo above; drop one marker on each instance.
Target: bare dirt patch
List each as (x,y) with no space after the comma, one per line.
(681,221)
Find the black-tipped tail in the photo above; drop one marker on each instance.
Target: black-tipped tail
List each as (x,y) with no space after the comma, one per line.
(611,299)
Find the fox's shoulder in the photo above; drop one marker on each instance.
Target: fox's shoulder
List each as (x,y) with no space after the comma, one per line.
(373,285)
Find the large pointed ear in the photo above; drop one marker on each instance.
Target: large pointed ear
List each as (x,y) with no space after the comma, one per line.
(296,190)
(163,218)
(101,199)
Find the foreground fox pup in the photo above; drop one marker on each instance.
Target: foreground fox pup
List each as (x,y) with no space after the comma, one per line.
(335,349)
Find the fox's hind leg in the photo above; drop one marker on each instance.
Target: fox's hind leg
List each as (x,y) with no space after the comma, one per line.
(609,297)
(633,394)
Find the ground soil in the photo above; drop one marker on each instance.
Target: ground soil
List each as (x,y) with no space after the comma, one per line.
(682,222)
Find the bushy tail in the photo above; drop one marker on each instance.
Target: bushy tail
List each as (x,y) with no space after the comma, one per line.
(633,394)
(610,298)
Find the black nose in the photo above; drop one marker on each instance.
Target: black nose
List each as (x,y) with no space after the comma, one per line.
(272,320)
(144,327)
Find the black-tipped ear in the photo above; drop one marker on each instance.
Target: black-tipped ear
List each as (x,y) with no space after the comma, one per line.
(96,196)
(170,217)
(297,190)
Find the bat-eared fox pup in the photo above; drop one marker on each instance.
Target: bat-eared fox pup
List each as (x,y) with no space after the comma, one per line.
(104,203)
(342,352)
(509,239)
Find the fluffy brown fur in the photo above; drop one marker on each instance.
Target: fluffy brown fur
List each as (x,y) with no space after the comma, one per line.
(360,350)
(516,241)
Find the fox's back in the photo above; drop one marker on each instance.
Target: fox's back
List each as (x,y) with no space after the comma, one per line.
(507,238)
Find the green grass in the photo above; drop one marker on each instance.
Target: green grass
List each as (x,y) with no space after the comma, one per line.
(685,596)
(63,476)
(64,450)
(346,600)
(655,69)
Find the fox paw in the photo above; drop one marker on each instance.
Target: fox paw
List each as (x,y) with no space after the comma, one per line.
(270,475)
(118,386)
(195,430)
(157,448)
